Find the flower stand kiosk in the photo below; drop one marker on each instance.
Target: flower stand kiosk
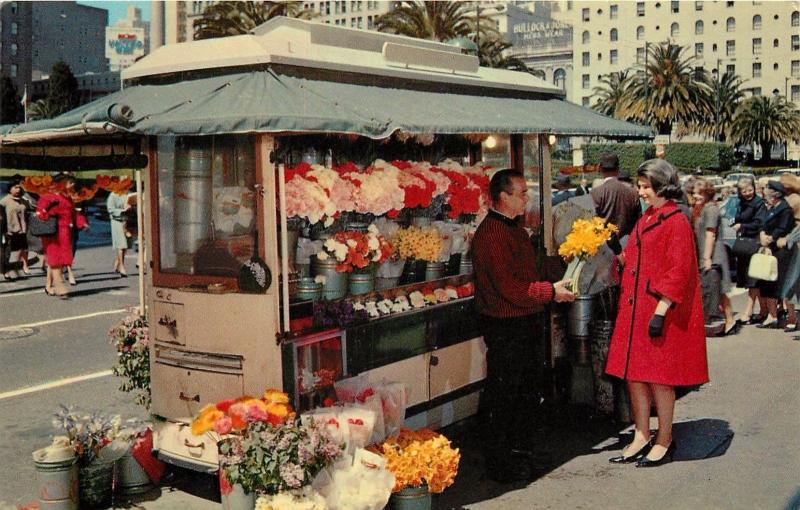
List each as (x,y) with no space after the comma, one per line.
(311,192)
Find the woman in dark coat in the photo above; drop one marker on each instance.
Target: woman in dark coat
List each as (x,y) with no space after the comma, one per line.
(747,223)
(659,337)
(779,221)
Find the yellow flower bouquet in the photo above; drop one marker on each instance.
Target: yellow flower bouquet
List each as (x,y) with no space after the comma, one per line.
(421,457)
(583,242)
(419,243)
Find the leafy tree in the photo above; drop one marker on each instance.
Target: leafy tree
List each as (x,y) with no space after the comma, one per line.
(764,120)
(667,89)
(10,107)
(236,18)
(731,93)
(434,20)
(613,94)
(63,94)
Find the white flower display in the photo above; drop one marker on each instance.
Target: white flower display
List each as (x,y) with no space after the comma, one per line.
(417,299)
(385,306)
(301,499)
(320,278)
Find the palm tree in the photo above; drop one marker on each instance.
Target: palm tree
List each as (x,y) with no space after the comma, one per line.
(43,109)
(721,103)
(235,18)
(434,20)
(493,54)
(764,120)
(612,94)
(668,89)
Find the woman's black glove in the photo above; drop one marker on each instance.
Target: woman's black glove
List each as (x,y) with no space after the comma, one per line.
(656,327)
(614,244)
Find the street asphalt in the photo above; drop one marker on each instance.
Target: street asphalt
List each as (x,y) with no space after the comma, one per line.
(738,440)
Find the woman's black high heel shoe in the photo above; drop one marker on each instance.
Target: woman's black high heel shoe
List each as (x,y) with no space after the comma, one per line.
(665,459)
(621,459)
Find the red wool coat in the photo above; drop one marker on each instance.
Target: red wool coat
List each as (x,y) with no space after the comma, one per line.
(660,261)
(58,248)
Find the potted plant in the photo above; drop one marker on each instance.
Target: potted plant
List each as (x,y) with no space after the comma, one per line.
(423,462)
(131,338)
(92,435)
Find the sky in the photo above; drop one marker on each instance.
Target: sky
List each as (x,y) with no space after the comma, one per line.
(117,10)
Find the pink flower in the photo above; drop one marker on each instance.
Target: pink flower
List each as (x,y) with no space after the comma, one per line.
(255,413)
(223,425)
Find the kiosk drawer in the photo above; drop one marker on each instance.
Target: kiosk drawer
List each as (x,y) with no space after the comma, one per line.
(179,392)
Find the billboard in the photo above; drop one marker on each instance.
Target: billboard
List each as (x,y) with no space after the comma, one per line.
(529,32)
(123,46)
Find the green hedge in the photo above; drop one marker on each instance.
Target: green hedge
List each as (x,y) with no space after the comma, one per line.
(709,156)
(685,156)
(630,155)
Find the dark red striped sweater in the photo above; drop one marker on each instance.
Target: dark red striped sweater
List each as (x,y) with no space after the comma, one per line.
(506,274)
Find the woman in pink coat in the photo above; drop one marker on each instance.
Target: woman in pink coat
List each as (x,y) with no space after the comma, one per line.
(659,338)
(58,248)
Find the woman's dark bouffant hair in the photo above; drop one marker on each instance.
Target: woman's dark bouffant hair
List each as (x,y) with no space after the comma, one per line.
(663,178)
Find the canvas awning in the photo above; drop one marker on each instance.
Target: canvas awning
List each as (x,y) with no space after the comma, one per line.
(267,102)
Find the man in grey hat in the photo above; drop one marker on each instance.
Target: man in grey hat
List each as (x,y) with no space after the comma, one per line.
(562,184)
(615,201)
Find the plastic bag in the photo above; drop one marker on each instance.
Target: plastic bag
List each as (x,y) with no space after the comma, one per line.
(359,421)
(328,419)
(375,404)
(364,484)
(348,389)
(394,400)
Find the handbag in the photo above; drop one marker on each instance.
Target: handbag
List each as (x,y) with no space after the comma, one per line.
(763,266)
(744,246)
(43,228)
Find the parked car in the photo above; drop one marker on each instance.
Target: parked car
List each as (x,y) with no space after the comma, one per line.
(733,178)
(792,171)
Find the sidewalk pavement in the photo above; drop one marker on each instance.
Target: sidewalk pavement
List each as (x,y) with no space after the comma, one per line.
(737,438)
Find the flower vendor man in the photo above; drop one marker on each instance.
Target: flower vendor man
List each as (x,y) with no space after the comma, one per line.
(509,296)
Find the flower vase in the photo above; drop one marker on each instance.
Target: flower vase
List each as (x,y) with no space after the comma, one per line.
(95,484)
(361,283)
(234,496)
(335,286)
(411,498)
(413,272)
(434,270)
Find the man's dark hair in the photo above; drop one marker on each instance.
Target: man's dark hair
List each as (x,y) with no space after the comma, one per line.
(501,181)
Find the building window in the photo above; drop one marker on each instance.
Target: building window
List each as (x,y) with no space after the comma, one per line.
(613,11)
(730,48)
(13,49)
(795,93)
(796,19)
(560,78)
(756,69)
(795,42)
(585,81)
(676,6)
(585,101)
(730,68)
(569,5)
(756,22)
(698,50)
(774,43)
(13,7)
(585,37)
(795,68)
(755,91)
(360,22)
(640,52)
(13,30)
(370,23)
(599,57)
(729,3)
(674,30)
(614,34)
(613,57)
(698,5)
(13,70)
(730,24)
(585,58)
(639,33)
(756,46)
(640,9)
(698,28)
(585,14)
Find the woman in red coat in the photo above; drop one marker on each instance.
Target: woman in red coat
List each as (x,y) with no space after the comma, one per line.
(58,248)
(659,338)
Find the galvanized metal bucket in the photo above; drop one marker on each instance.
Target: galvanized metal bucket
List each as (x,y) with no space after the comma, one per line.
(411,498)
(434,270)
(58,478)
(131,478)
(335,286)
(96,484)
(308,290)
(360,283)
(579,317)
